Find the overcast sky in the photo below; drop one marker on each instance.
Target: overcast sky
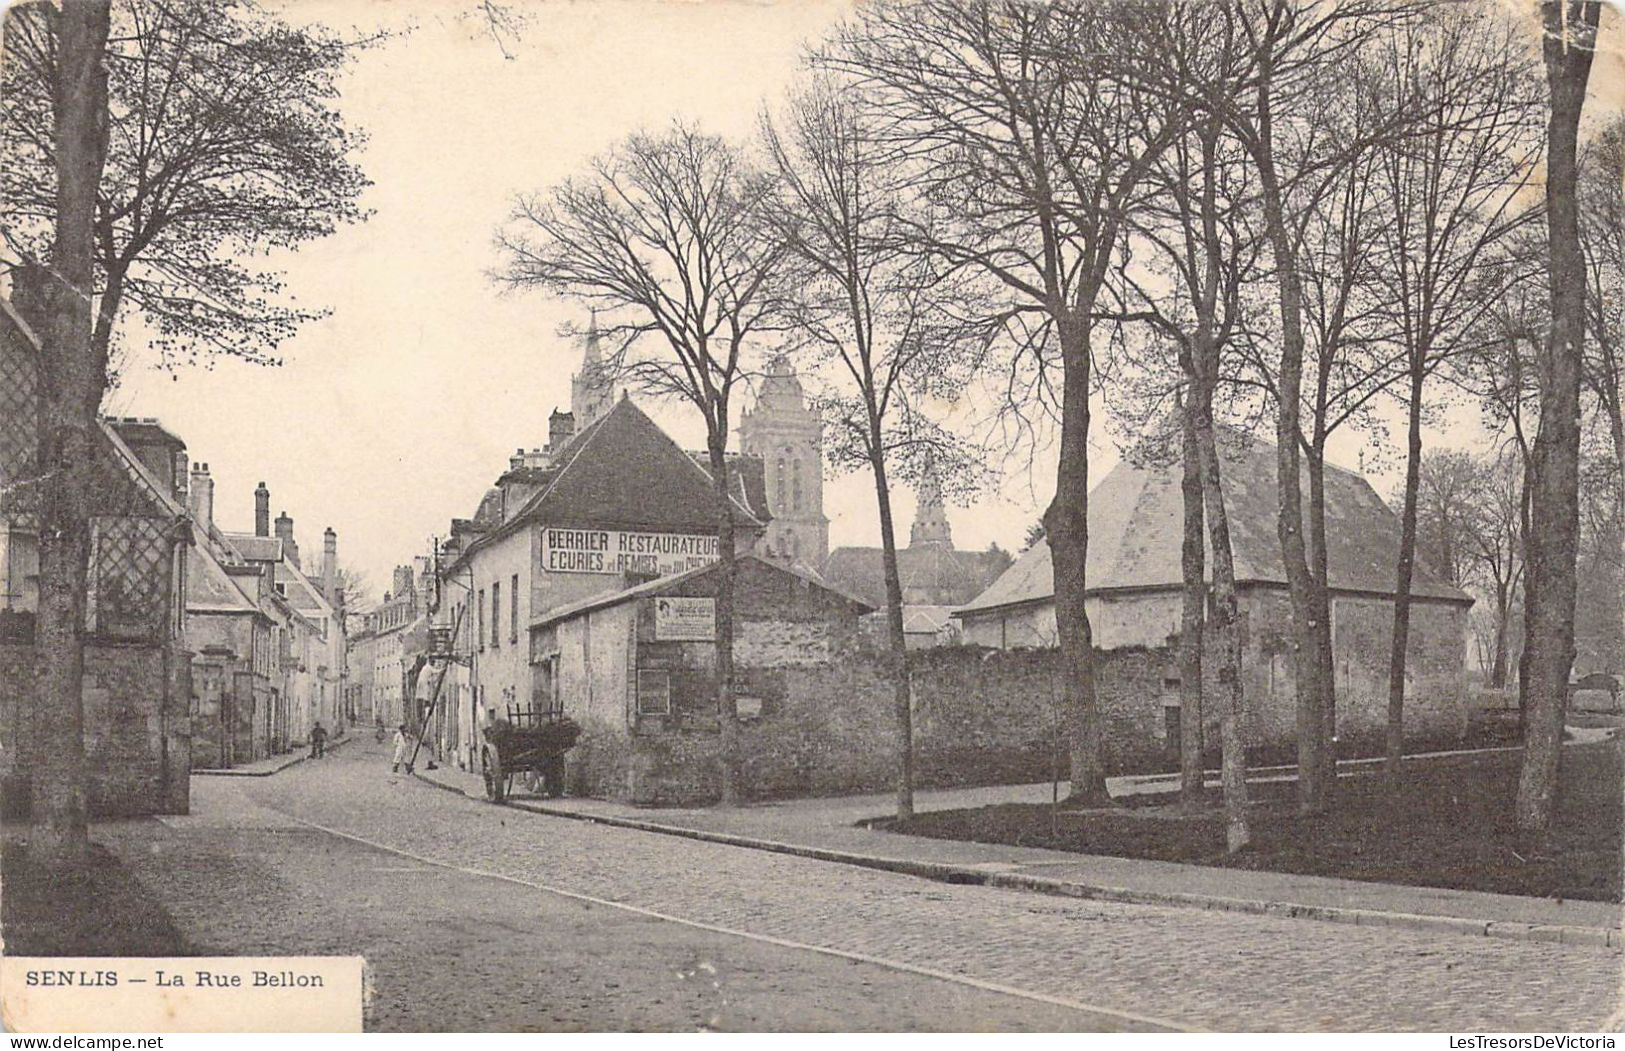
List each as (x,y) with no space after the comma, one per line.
(398,411)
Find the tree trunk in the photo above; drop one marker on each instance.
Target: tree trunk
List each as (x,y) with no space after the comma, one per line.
(1402,585)
(1549,583)
(1066,524)
(897,658)
(72,380)
(1193,569)
(1321,624)
(727,715)
(1616,430)
(1226,621)
(1503,612)
(1312,789)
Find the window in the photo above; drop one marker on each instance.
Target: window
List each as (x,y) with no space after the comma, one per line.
(513,601)
(654,691)
(780,480)
(496,614)
(795,485)
(19,570)
(479,612)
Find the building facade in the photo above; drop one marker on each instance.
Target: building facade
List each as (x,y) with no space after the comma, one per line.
(1134,597)
(382,643)
(610,502)
(137,685)
(599,510)
(636,668)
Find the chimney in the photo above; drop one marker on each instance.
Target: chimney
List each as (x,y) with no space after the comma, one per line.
(262,511)
(284,530)
(561,427)
(201,498)
(403,580)
(330,566)
(517,460)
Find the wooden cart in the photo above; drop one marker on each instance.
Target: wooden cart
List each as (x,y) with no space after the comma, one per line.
(526,741)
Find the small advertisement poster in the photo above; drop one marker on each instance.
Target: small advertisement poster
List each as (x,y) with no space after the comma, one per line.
(685,619)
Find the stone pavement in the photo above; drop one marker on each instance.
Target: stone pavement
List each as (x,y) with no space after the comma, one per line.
(449,953)
(829,829)
(272,764)
(1189,968)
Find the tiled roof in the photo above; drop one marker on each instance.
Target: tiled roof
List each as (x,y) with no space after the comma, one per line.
(1136,517)
(623,472)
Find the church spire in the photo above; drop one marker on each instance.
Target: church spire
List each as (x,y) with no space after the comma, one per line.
(592,391)
(930,517)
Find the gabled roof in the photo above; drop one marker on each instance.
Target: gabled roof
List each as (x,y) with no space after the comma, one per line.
(622,472)
(256,548)
(662,584)
(210,588)
(925,620)
(1136,517)
(302,593)
(138,473)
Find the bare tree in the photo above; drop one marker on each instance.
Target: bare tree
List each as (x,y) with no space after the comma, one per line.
(356,587)
(56,298)
(1207,249)
(1028,159)
(1448,491)
(879,310)
(1553,541)
(671,234)
(1450,190)
(1271,70)
(1469,512)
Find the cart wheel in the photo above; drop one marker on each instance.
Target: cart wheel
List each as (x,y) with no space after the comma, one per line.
(496,782)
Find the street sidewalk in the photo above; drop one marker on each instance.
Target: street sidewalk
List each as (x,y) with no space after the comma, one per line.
(828,829)
(274,764)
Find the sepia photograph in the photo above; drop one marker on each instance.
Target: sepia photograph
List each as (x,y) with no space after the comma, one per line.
(812,516)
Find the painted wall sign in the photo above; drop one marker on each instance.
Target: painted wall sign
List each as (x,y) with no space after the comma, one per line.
(682,619)
(611,551)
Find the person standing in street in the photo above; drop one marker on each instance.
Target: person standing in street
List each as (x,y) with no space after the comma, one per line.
(403,748)
(318,740)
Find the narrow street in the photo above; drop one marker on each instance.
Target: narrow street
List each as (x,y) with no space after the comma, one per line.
(484,918)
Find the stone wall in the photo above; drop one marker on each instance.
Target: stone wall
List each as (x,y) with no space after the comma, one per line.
(1362,630)
(985,717)
(820,714)
(137,729)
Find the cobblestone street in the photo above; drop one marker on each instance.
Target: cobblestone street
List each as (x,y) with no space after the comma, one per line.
(451,947)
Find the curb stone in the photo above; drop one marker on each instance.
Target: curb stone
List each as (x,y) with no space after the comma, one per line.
(294,760)
(949,872)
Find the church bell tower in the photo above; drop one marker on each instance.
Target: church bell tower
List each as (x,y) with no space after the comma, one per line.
(789,438)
